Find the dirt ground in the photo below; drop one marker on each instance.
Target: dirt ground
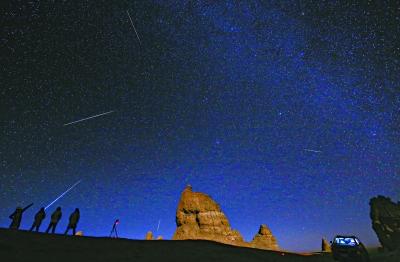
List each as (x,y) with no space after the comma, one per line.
(27,246)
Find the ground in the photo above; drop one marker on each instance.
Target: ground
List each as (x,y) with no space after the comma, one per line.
(28,246)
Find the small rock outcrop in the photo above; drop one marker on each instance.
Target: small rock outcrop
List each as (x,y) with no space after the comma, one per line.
(200,217)
(325,246)
(385,216)
(264,239)
(159,238)
(149,235)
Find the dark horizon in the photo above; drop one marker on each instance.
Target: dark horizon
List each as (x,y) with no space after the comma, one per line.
(286,114)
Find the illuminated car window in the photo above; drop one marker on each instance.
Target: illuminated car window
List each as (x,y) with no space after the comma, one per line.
(346,241)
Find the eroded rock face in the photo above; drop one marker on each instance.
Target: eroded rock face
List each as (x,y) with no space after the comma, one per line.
(264,239)
(325,246)
(385,216)
(149,235)
(200,217)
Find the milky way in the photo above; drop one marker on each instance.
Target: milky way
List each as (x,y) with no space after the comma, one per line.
(224,95)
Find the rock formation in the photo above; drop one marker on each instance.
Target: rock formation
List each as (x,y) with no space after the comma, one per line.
(198,216)
(264,239)
(325,246)
(149,235)
(159,238)
(385,216)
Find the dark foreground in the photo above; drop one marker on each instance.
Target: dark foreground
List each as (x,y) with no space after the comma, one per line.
(27,246)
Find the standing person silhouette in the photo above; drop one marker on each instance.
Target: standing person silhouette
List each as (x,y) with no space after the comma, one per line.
(73,221)
(55,217)
(40,215)
(17,217)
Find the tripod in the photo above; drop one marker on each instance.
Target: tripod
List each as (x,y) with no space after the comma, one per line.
(114,229)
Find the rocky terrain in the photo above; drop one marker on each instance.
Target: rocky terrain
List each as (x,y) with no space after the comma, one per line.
(149,235)
(325,246)
(385,216)
(198,216)
(264,239)
(19,246)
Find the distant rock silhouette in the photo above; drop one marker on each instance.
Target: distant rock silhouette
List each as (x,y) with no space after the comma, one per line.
(385,216)
(149,235)
(264,239)
(198,216)
(159,238)
(325,246)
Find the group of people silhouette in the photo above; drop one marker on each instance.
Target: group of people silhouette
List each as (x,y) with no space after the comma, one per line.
(16,218)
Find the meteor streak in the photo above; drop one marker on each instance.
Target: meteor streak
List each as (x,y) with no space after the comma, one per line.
(90,117)
(69,189)
(137,35)
(158,224)
(312,150)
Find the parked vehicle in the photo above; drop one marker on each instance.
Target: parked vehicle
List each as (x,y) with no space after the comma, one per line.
(349,248)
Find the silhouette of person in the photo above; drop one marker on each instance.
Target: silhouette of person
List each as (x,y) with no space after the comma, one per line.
(55,217)
(114,228)
(17,217)
(40,215)
(73,221)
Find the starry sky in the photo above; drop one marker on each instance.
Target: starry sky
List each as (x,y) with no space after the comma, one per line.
(285,112)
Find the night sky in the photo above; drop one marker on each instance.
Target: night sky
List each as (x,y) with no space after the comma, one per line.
(286,113)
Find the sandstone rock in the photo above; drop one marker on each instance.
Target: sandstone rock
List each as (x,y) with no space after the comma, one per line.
(325,246)
(159,238)
(264,239)
(149,235)
(385,216)
(200,217)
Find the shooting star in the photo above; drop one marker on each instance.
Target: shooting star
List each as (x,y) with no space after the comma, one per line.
(312,150)
(87,118)
(60,196)
(137,35)
(158,224)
